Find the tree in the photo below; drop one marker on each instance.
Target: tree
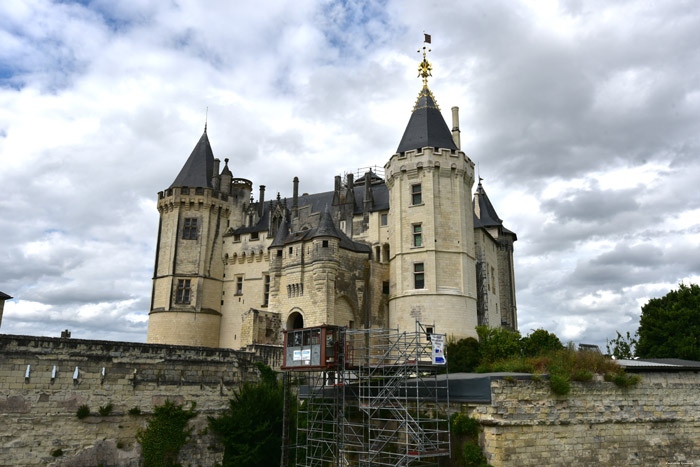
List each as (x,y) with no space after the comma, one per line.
(252,427)
(540,342)
(670,325)
(463,355)
(498,343)
(621,346)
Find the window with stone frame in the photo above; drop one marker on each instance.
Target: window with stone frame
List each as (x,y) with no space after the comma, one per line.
(384,219)
(189,231)
(416,194)
(417,235)
(418,275)
(239,285)
(183,291)
(266,288)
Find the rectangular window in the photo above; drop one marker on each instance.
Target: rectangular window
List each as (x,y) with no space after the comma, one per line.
(239,285)
(291,250)
(419,276)
(266,297)
(385,287)
(189,232)
(384,219)
(324,243)
(183,291)
(254,235)
(416,196)
(279,253)
(237,238)
(417,235)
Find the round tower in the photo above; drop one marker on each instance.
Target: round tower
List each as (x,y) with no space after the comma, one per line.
(188,273)
(431,225)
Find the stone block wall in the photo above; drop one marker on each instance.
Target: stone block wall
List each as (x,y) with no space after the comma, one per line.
(38,412)
(656,422)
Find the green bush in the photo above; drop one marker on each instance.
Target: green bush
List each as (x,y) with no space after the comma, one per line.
(465,425)
(134,411)
(106,410)
(472,455)
(622,379)
(57,453)
(463,355)
(165,434)
(83,411)
(559,383)
(540,342)
(582,375)
(498,343)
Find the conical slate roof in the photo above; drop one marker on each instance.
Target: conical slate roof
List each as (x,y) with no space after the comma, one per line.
(426,128)
(326,227)
(282,234)
(199,168)
(487,213)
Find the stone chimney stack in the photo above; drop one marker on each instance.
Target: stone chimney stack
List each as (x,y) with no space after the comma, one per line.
(261,201)
(295,198)
(216,179)
(455,127)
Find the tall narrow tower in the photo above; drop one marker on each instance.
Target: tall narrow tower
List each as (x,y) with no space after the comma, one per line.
(189,268)
(431,224)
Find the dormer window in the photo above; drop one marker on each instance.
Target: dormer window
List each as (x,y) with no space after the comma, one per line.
(254,235)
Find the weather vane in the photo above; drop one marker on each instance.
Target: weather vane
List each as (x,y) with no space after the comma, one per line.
(425,68)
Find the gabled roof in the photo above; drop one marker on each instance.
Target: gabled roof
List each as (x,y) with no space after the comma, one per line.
(426,128)
(199,168)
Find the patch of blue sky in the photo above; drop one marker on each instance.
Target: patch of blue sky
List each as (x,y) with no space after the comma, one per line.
(111,16)
(350,26)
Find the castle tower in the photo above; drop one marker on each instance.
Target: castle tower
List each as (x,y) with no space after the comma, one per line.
(187,281)
(431,224)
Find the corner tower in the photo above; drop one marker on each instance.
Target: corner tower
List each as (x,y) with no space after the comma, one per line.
(432,262)
(188,273)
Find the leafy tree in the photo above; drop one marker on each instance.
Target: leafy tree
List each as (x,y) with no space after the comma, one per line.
(165,434)
(252,427)
(463,355)
(621,346)
(498,343)
(540,342)
(670,325)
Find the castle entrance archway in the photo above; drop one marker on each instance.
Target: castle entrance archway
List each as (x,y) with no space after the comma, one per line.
(295,321)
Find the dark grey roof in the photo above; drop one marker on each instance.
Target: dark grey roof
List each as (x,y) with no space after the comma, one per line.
(488,216)
(426,128)
(4,296)
(281,234)
(326,227)
(199,168)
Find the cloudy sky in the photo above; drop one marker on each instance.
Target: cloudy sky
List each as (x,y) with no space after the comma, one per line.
(582,116)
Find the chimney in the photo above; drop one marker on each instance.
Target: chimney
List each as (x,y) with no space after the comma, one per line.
(455,127)
(261,201)
(295,199)
(215,179)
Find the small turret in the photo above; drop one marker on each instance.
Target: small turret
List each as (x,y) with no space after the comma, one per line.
(226,178)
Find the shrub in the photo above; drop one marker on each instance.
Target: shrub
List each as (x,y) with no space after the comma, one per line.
(582,375)
(106,410)
(540,342)
(622,379)
(465,425)
(83,411)
(472,455)
(57,453)
(165,434)
(134,411)
(559,383)
(498,343)
(120,445)
(463,355)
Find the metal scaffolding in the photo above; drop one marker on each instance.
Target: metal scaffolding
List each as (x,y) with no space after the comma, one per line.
(382,401)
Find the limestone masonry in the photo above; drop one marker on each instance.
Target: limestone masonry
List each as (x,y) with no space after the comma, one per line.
(396,244)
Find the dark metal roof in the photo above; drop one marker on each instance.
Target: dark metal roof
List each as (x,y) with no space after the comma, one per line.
(488,216)
(4,296)
(426,128)
(199,168)
(281,234)
(326,227)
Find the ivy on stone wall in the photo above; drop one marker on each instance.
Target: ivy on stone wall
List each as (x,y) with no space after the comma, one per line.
(165,434)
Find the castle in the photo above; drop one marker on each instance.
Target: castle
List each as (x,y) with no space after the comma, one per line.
(381,250)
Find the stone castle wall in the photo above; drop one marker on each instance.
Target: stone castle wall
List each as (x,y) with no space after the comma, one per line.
(656,422)
(38,412)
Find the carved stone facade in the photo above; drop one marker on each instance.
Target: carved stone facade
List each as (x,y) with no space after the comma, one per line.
(396,245)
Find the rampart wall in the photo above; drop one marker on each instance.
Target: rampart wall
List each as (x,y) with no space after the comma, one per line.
(656,422)
(38,411)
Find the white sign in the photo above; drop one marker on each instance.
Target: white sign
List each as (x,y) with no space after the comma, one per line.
(297,355)
(306,356)
(438,341)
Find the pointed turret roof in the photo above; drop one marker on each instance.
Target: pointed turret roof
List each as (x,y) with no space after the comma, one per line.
(326,227)
(487,214)
(199,168)
(426,126)
(282,234)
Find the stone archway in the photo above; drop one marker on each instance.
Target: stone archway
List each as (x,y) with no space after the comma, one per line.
(295,320)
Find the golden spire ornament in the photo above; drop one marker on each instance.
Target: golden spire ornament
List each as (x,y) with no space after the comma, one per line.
(425,68)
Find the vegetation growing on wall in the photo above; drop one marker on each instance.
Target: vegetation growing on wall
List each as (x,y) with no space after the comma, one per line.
(83,412)
(251,429)
(165,434)
(466,450)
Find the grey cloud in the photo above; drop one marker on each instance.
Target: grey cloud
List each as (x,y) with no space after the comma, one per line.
(593,204)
